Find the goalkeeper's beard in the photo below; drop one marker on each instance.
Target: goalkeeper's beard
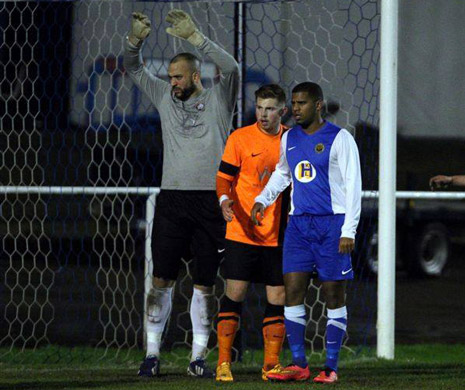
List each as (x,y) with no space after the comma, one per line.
(185,93)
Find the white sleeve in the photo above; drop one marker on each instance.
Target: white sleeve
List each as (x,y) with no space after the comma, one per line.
(280,178)
(349,165)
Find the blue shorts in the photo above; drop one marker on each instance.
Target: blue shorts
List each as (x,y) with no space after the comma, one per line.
(311,242)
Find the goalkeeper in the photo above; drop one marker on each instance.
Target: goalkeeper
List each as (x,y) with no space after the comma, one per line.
(195,124)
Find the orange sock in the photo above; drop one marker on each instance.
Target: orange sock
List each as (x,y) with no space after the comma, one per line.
(228,324)
(273,338)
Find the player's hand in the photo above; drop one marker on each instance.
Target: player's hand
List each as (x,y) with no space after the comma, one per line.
(346,245)
(183,27)
(258,208)
(440,182)
(226,208)
(140,28)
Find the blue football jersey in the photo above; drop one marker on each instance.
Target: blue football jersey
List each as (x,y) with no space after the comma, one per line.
(324,169)
(308,160)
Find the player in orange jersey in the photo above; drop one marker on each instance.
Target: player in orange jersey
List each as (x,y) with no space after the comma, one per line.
(253,253)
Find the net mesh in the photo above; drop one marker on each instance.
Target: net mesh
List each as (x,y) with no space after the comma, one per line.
(74,265)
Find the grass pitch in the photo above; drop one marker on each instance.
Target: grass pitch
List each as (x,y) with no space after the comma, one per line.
(435,367)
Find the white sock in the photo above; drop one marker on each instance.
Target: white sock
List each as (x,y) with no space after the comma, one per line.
(202,311)
(159,304)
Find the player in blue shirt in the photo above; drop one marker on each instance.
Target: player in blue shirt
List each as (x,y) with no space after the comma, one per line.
(321,161)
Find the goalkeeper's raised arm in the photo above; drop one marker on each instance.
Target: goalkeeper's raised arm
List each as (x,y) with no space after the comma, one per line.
(154,87)
(183,27)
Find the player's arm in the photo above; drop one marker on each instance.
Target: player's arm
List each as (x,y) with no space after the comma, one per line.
(223,191)
(184,27)
(349,165)
(154,87)
(228,86)
(442,182)
(279,181)
(228,170)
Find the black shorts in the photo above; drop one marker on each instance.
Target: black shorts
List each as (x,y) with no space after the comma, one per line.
(254,263)
(188,222)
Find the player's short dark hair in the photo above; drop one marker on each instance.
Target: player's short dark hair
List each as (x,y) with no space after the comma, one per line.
(312,89)
(190,58)
(271,91)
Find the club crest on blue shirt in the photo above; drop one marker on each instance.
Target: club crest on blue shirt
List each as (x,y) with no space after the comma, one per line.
(200,106)
(305,172)
(319,148)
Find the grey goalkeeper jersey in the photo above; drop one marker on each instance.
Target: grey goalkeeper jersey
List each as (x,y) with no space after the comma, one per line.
(195,131)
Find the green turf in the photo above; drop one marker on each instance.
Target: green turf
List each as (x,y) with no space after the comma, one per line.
(415,367)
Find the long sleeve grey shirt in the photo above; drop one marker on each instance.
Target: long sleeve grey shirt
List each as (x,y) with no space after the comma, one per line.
(194,132)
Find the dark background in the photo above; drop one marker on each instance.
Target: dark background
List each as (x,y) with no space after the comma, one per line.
(39,146)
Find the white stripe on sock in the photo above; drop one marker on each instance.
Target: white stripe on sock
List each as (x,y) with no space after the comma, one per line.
(337,324)
(295,314)
(340,312)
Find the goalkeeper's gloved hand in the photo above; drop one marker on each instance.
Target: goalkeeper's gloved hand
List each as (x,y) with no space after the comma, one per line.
(183,27)
(140,28)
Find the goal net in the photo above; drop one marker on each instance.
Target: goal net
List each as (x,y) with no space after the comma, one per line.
(76,134)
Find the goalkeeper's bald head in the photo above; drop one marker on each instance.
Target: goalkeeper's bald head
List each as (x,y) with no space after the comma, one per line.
(192,60)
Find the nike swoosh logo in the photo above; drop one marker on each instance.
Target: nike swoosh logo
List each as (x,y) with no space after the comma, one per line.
(220,250)
(256,154)
(346,272)
(331,342)
(292,148)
